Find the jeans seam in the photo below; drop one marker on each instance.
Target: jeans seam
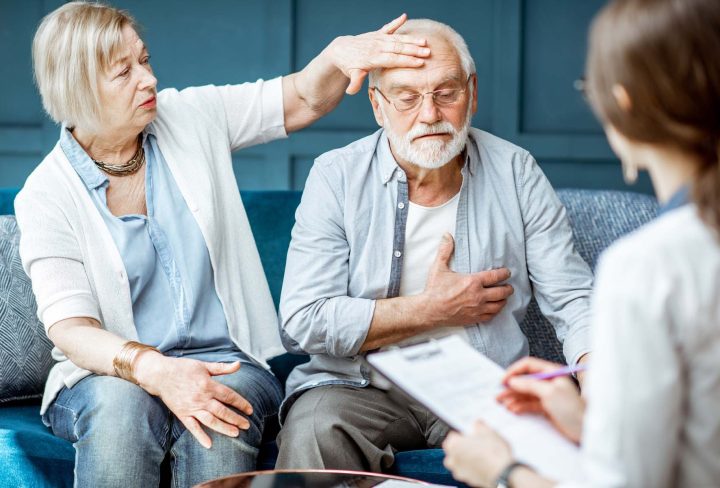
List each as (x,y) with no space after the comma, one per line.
(74,420)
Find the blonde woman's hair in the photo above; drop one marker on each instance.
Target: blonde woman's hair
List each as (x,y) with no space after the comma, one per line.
(73,45)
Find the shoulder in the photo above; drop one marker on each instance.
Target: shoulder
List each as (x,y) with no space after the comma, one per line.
(348,163)
(503,157)
(45,178)
(496,145)
(672,245)
(174,103)
(347,157)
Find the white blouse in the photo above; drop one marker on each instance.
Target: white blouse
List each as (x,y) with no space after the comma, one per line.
(653,388)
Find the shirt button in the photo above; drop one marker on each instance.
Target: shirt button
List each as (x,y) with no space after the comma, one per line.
(401,205)
(397,254)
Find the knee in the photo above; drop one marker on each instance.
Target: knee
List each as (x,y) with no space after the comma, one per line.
(122,411)
(262,390)
(309,424)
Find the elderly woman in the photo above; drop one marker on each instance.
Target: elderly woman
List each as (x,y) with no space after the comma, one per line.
(142,260)
(653,389)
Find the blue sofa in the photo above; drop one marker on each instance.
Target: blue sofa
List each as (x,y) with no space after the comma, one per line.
(30,456)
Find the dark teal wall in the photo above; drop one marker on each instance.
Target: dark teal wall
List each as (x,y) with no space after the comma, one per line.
(528,53)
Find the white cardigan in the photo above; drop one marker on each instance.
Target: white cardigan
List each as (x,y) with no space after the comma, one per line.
(71,258)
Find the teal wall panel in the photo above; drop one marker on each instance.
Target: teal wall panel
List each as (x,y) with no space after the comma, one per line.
(20,106)
(528,53)
(553,56)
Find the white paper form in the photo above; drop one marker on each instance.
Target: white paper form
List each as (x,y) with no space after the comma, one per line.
(407,484)
(459,385)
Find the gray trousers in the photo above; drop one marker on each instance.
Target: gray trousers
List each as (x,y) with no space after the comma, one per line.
(345,427)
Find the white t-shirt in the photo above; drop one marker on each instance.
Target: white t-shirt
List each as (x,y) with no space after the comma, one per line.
(424,229)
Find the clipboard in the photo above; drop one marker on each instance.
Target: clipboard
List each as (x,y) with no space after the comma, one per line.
(396,390)
(459,385)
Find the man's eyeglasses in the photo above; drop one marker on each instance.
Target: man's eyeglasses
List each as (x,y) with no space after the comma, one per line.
(443,97)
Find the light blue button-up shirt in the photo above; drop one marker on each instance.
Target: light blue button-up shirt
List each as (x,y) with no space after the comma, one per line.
(175,305)
(349,234)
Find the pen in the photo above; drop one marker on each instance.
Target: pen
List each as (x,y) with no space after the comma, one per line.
(558,372)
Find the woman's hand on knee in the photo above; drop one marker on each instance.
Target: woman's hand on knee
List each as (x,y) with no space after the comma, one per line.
(187,388)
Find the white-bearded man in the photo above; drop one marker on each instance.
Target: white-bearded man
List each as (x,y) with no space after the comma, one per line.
(426,228)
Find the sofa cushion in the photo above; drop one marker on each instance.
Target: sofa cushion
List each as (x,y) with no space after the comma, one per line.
(24,348)
(424,464)
(30,455)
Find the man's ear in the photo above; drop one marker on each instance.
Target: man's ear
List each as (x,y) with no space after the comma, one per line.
(377,111)
(473,87)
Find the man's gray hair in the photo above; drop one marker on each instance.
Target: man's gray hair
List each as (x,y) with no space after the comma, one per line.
(433,28)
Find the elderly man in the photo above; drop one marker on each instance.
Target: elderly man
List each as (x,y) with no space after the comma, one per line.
(426,228)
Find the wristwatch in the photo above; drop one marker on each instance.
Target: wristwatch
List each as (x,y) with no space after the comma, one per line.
(503,480)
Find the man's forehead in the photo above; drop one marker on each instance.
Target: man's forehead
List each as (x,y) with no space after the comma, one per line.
(443,65)
(422,77)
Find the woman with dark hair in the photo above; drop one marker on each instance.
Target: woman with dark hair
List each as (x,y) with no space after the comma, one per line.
(653,389)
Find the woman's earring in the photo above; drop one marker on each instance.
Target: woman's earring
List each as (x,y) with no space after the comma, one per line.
(630,173)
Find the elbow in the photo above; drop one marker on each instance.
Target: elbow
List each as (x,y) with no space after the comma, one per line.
(291,345)
(296,332)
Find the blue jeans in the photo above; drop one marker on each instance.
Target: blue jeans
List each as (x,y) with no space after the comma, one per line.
(121,434)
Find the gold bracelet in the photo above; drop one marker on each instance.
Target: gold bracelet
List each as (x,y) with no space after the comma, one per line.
(124,361)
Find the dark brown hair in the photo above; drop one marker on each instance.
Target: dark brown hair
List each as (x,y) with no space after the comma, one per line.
(666,54)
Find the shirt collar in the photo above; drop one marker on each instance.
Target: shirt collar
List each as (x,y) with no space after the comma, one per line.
(388,165)
(679,199)
(90,174)
(83,165)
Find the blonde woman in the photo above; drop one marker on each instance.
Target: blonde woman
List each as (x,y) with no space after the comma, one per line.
(141,257)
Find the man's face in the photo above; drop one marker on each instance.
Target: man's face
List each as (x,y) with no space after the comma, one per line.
(433,133)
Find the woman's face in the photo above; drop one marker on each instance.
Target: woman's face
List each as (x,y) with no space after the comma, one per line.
(128,88)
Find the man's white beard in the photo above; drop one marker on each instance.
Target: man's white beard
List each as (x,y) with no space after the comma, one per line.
(428,154)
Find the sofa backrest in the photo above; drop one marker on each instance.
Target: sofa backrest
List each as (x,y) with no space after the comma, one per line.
(597,217)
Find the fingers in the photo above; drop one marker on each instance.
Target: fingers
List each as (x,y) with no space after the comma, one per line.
(497,293)
(213,422)
(398,46)
(537,388)
(217,369)
(393,25)
(228,396)
(481,428)
(518,402)
(529,365)
(226,414)
(493,276)
(493,308)
(193,426)
(402,38)
(445,252)
(391,60)
(524,408)
(357,76)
